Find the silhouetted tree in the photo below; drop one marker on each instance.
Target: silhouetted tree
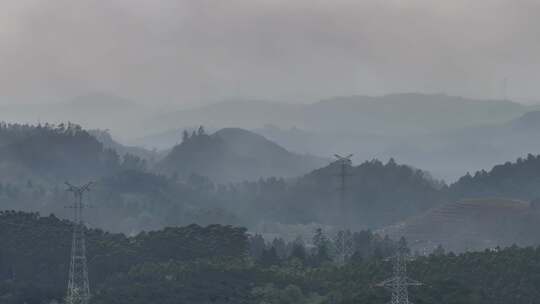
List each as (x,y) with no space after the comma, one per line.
(201,131)
(256,246)
(322,247)
(185,136)
(298,251)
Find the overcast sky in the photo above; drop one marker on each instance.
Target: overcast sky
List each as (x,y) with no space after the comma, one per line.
(190,51)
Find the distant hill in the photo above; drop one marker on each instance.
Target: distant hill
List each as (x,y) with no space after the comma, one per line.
(108,142)
(432,131)
(409,113)
(377,194)
(446,154)
(163,141)
(246,114)
(528,122)
(52,153)
(390,114)
(451,153)
(233,155)
(473,224)
(92,111)
(519,179)
(491,208)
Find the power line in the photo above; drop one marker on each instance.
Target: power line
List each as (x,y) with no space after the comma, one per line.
(78,285)
(400,282)
(344,163)
(343,239)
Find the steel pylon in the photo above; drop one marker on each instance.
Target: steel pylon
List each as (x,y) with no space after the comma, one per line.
(400,282)
(78,291)
(344,238)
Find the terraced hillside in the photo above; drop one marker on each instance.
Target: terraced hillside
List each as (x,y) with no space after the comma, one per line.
(471,224)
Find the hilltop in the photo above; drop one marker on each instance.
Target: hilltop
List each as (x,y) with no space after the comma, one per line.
(395,114)
(104,137)
(519,179)
(378,194)
(447,135)
(95,110)
(234,155)
(52,152)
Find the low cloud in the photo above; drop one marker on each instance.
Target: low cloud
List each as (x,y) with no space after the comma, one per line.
(190,51)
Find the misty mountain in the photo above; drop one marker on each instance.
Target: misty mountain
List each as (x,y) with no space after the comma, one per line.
(396,114)
(108,142)
(377,194)
(246,114)
(52,153)
(131,196)
(528,122)
(163,141)
(425,131)
(402,114)
(499,207)
(92,111)
(447,154)
(233,155)
(363,145)
(519,179)
(451,153)
(36,159)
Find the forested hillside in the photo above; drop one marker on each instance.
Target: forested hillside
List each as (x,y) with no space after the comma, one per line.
(519,179)
(234,155)
(213,265)
(65,151)
(35,161)
(377,194)
(35,253)
(130,195)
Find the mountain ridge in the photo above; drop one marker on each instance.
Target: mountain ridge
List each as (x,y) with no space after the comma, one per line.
(399,113)
(234,154)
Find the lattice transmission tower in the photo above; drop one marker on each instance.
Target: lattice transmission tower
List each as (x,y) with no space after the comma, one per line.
(400,282)
(343,239)
(78,291)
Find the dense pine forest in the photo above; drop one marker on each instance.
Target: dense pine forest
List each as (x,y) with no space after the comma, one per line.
(223,264)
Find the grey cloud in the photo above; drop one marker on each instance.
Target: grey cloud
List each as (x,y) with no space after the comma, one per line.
(186,51)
